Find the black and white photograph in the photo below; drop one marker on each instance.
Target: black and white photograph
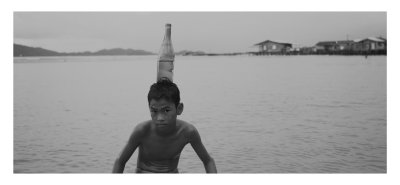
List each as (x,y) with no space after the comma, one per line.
(200,92)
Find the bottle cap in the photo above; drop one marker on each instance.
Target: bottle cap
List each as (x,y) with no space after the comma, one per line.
(167,25)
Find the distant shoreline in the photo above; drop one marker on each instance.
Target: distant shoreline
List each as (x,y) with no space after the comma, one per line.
(220,55)
(26,51)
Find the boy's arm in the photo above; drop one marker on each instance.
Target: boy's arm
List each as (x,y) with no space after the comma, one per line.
(127,151)
(201,151)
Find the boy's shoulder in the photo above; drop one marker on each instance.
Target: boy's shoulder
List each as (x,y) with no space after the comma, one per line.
(142,128)
(187,129)
(185,125)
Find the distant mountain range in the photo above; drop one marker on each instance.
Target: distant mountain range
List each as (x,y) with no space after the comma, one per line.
(21,50)
(24,51)
(193,53)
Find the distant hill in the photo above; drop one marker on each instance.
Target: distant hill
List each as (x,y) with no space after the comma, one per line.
(120,51)
(21,50)
(186,52)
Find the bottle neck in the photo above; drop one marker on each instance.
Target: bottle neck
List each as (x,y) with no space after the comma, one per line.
(167,32)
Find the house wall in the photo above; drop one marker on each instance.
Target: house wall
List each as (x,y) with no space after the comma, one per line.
(344,46)
(373,45)
(330,47)
(369,45)
(358,46)
(272,47)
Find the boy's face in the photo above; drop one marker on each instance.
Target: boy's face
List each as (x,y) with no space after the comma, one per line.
(163,113)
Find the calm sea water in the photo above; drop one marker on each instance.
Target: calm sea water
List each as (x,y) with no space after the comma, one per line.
(255,114)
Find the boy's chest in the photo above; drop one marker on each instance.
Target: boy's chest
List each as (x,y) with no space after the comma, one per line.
(154,147)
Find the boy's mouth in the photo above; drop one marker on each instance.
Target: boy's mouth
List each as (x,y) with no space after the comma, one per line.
(161,124)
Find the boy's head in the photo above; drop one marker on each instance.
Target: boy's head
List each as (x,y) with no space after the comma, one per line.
(164,104)
(166,90)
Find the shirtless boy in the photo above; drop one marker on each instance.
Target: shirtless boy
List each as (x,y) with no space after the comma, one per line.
(161,139)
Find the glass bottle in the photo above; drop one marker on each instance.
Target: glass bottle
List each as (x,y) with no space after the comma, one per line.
(165,64)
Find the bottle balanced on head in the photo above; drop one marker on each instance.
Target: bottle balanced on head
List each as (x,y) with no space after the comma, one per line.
(165,64)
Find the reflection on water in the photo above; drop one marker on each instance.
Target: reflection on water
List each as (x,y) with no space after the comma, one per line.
(269,114)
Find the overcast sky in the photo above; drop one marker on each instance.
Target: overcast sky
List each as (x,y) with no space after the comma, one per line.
(206,31)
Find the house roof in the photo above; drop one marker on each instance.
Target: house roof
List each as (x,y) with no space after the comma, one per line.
(357,40)
(384,39)
(376,39)
(326,43)
(345,41)
(266,41)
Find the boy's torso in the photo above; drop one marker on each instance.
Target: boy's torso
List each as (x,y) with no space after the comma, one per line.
(161,154)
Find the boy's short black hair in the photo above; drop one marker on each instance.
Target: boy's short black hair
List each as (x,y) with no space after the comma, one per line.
(164,89)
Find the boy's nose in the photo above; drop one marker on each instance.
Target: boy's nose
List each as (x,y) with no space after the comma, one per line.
(160,117)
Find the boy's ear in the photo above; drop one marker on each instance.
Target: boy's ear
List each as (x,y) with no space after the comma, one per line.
(179,109)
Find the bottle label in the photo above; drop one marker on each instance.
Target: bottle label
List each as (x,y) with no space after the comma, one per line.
(165,69)
(165,65)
